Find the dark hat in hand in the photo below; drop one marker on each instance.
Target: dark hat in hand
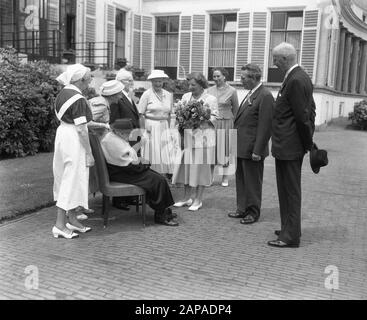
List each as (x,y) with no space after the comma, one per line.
(318,158)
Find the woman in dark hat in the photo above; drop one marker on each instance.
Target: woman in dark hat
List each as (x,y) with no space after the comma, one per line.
(124,166)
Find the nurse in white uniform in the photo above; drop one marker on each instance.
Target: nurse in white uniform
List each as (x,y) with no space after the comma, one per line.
(73,154)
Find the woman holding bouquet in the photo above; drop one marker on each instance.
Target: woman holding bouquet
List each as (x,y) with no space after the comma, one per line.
(227,108)
(198,157)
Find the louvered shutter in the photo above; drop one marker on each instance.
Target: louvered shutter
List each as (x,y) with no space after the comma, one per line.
(90,31)
(137,41)
(143,42)
(110,37)
(147,43)
(185,47)
(258,39)
(243,19)
(110,25)
(90,21)
(198,43)
(53,13)
(309,42)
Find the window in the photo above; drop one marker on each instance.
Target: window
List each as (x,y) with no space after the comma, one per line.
(120,33)
(166,45)
(285,27)
(222,43)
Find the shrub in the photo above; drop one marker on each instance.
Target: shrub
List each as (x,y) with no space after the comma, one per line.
(359,114)
(177,86)
(27,94)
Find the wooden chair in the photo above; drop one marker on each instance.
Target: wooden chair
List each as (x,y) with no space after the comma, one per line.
(113,189)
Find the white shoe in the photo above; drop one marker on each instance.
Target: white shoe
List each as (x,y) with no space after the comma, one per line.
(59,233)
(196,207)
(225,183)
(82,216)
(183,203)
(74,228)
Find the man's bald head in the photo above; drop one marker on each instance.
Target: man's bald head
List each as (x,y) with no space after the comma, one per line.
(284,56)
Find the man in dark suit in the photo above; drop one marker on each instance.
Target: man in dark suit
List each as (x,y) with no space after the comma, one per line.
(292,131)
(125,109)
(253,125)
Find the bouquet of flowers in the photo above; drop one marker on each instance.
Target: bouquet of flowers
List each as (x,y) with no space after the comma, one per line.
(191,115)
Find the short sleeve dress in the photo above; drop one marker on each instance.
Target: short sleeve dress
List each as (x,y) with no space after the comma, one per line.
(227,108)
(156,111)
(197,163)
(70,172)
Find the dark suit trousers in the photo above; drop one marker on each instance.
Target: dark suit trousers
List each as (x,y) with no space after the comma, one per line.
(249,180)
(159,196)
(288,173)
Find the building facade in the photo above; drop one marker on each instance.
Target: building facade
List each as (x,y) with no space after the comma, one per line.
(182,36)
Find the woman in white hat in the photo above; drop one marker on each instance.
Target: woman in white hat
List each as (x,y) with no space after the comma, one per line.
(73,155)
(111,92)
(155,108)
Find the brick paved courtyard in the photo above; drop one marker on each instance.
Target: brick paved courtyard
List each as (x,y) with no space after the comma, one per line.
(209,256)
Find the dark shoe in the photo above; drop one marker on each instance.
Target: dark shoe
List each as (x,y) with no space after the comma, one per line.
(236,215)
(280,244)
(277,232)
(249,219)
(170,214)
(122,205)
(167,222)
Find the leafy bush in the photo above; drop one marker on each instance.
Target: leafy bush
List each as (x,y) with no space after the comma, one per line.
(177,86)
(359,114)
(27,94)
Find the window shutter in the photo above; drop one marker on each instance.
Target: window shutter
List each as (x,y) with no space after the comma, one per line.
(243,19)
(53,8)
(185,47)
(258,39)
(143,42)
(147,43)
(110,18)
(309,42)
(90,21)
(110,36)
(137,41)
(198,42)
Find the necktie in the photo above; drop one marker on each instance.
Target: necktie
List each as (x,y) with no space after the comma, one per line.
(247,96)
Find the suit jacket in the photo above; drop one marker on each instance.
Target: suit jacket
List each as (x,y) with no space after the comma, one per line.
(294,117)
(253,124)
(125,109)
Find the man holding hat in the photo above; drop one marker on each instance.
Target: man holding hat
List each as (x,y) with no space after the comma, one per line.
(293,126)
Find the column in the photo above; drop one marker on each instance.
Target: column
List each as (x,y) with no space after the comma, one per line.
(363,72)
(354,66)
(346,64)
(340,60)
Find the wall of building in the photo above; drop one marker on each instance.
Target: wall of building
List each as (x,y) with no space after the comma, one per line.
(203,6)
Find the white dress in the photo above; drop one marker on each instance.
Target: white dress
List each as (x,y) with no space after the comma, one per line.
(157,113)
(71,175)
(197,163)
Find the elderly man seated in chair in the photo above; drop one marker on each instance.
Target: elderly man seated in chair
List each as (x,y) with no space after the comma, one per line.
(124,166)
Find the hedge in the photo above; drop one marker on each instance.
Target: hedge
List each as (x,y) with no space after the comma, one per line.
(359,114)
(27,94)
